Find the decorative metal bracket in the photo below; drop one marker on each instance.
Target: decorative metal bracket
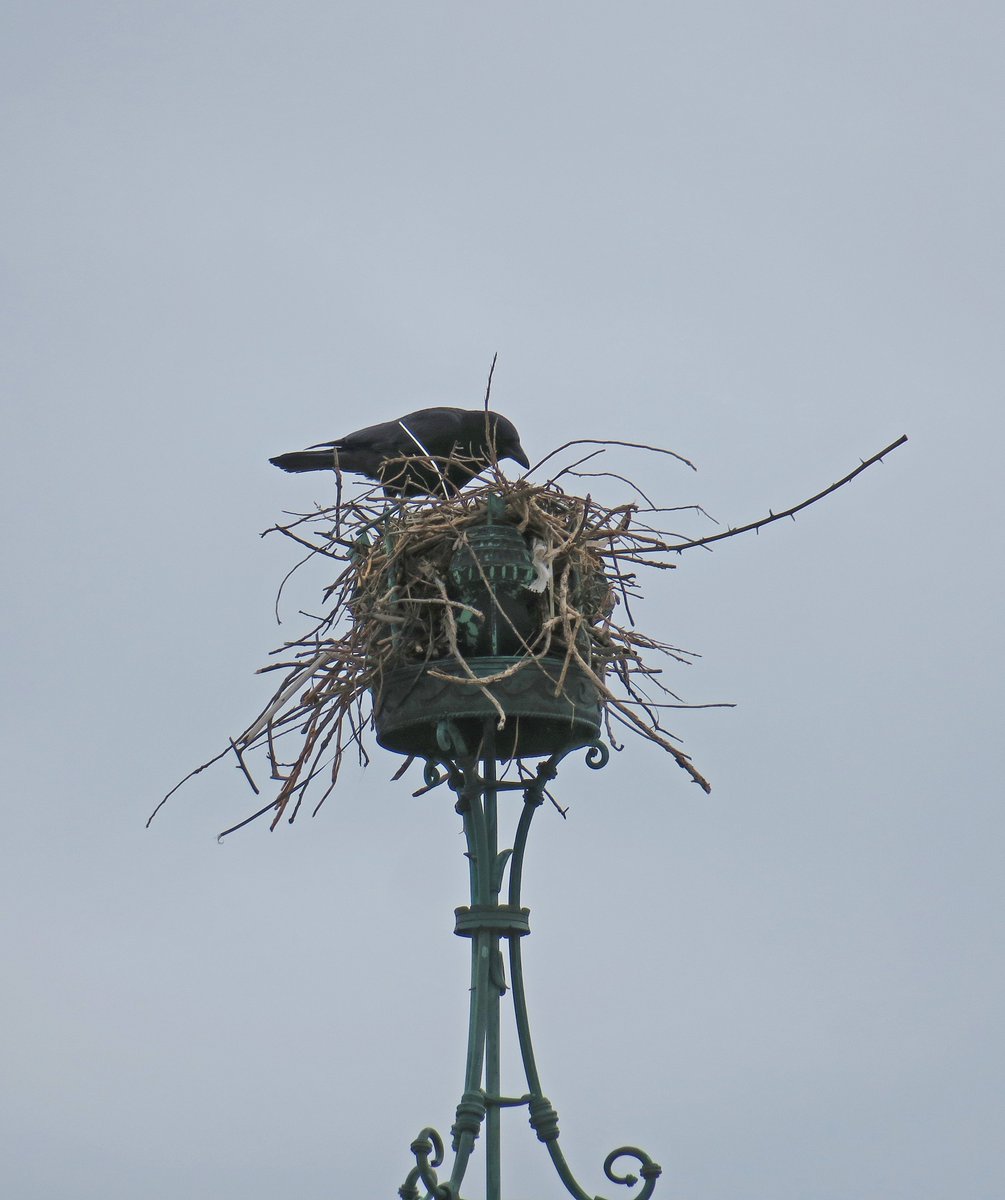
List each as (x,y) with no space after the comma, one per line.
(471,775)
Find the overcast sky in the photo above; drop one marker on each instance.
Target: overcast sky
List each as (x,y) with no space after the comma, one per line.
(767,235)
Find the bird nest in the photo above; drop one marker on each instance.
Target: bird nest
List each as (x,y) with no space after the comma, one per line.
(502,582)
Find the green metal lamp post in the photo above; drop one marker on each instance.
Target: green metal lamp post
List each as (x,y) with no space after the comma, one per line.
(550,711)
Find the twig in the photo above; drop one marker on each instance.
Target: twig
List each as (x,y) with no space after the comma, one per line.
(791,512)
(488,386)
(191,775)
(244,766)
(247,820)
(611,442)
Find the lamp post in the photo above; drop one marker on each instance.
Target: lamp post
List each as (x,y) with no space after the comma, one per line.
(508,708)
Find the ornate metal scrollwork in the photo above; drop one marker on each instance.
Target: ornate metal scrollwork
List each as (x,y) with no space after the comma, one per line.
(597,755)
(450,741)
(489,920)
(432,776)
(428,1151)
(650,1171)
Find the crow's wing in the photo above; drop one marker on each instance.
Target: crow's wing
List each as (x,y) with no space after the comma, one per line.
(436,428)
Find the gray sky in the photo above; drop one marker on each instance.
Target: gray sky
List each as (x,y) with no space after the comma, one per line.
(766,235)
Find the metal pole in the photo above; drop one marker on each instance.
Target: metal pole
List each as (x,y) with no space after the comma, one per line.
(493,1131)
(486,922)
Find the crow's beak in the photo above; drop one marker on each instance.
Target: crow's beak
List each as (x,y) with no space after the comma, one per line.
(518,455)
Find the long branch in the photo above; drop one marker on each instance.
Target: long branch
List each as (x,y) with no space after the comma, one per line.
(791,512)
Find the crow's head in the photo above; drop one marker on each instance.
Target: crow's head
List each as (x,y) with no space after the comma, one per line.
(506,440)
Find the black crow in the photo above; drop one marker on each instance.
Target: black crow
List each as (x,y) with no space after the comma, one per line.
(420,453)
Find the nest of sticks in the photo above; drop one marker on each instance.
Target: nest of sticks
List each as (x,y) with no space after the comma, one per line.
(391,606)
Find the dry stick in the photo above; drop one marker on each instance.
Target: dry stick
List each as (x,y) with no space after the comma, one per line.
(324,795)
(638,696)
(621,585)
(610,729)
(403,768)
(422,791)
(681,508)
(488,386)
(679,756)
(284,694)
(452,639)
(247,820)
(481,681)
(356,728)
(563,617)
(288,788)
(490,430)
(449,603)
(198,770)
(570,468)
(271,744)
(285,530)
(791,512)
(610,442)
(577,530)
(286,578)
(244,767)
(301,519)
(611,475)
(316,765)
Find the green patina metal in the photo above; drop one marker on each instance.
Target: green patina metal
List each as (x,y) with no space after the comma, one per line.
(489,921)
(412,702)
(492,571)
(541,710)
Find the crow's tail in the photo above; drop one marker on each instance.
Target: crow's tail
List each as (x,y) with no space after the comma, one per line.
(307,460)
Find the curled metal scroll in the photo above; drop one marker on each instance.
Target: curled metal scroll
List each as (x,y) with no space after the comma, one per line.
(449,768)
(432,776)
(437,771)
(544,1122)
(428,1151)
(650,1171)
(597,755)
(450,741)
